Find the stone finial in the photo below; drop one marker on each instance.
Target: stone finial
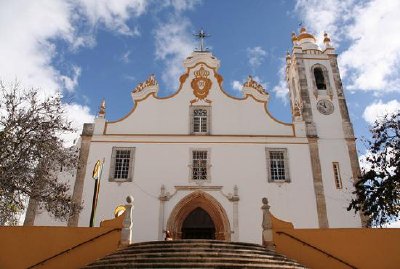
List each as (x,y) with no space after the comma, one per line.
(102,109)
(288,58)
(327,41)
(267,239)
(294,38)
(126,232)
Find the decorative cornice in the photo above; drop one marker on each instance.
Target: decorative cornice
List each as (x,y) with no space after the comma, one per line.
(255,89)
(145,88)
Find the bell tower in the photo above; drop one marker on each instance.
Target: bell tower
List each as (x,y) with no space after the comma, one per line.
(318,102)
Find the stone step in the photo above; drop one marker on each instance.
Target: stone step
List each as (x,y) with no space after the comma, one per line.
(189,249)
(194,254)
(197,243)
(215,265)
(204,253)
(199,261)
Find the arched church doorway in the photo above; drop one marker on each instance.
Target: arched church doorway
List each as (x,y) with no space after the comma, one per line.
(198,225)
(199,216)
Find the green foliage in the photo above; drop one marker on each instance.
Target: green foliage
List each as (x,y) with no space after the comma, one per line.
(378,189)
(31,154)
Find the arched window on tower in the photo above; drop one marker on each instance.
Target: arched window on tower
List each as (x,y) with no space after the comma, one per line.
(319,79)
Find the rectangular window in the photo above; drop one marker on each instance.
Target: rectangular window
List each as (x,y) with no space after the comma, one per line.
(336,174)
(200,166)
(121,164)
(277,165)
(200,120)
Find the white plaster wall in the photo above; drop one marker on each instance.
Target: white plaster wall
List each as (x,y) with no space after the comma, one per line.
(243,165)
(171,115)
(337,200)
(328,126)
(333,148)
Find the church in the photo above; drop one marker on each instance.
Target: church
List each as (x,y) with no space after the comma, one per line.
(198,163)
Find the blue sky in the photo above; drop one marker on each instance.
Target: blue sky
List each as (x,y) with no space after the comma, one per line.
(92,49)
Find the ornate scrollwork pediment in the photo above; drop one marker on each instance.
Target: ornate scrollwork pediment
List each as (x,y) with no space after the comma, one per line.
(251,83)
(255,89)
(201,85)
(150,85)
(151,81)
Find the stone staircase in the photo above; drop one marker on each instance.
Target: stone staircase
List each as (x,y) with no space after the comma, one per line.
(194,254)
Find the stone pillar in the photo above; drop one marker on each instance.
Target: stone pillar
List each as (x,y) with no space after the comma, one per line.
(267,239)
(164,197)
(318,184)
(126,232)
(235,201)
(86,138)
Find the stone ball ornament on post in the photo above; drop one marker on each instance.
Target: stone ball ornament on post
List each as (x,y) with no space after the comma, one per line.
(267,239)
(126,232)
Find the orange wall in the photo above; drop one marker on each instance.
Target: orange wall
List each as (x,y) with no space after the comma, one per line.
(362,248)
(22,247)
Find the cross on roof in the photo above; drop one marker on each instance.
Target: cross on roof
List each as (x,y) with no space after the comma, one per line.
(201,36)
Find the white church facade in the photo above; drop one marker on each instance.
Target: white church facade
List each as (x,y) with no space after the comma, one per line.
(199,162)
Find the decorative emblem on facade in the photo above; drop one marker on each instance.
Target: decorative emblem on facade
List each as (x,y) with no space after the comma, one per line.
(201,85)
(251,83)
(151,81)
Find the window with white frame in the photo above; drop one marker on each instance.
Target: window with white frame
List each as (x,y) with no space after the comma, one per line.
(277,165)
(200,120)
(122,164)
(336,174)
(200,164)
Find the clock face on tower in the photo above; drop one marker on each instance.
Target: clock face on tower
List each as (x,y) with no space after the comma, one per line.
(325,106)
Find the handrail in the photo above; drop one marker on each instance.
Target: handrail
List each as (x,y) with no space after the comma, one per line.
(318,249)
(71,248)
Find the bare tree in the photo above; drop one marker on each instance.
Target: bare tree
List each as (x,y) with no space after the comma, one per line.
(378,189)
(31,153)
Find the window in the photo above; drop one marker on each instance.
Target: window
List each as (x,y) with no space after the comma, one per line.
(200,120)
(277,165)
(200,165)
(319,79)
(121,164)
(336,174)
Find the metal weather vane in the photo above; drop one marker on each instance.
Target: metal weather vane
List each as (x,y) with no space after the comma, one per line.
(201,36)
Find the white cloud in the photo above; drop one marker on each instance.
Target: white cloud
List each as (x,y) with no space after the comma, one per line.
(182,5)
(113,14)
(125,57)
(237,85)
(27,52)
(374,53)
(256,56)
(174,42)
(281,90)
(78,115)
(29,29)
(378,110)
(370,60)
(71,82)
(320,16)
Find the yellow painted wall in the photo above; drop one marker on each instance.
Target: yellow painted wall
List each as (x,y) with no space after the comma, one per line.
(361,248)
(22,247)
